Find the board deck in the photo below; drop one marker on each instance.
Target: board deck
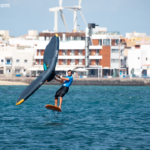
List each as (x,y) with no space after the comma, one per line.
(52,107)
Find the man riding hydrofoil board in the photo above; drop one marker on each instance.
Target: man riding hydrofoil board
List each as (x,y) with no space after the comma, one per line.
(67,81)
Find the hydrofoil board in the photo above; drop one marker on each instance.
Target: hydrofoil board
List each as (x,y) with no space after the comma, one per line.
(52,107)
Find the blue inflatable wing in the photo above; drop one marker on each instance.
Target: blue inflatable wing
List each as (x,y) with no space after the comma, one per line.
(49,64)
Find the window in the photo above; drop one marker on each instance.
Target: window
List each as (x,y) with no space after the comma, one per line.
(80,52)
(39,61)
(117,41)
(100,42)
(72,62)
(80,61)
(8,62)
(115,60)
(47,38)
(8,70)
(97,62)
(82,38)
(17,71)
(97,52)
(2,60)
(61,38)
(39,52)
(25,61)
(68,38)
(75,38)
(72,52)
(17,61)
(115,50)
(1,72)
(64,52)
(106,42)
(78,38)
(90,52)
(137,46)
(64,61)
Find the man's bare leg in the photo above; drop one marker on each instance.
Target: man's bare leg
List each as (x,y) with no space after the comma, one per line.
(56,101)
(61,99)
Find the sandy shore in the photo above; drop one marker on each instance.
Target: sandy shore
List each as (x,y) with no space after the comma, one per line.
(12,83)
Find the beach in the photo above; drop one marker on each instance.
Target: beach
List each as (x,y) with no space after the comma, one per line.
(12,83)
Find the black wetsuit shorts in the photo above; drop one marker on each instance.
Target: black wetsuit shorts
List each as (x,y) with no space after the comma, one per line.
(61,92)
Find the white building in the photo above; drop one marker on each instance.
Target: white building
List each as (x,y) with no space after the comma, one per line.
(4,34)
(135,34)
(14,60)
(139,60)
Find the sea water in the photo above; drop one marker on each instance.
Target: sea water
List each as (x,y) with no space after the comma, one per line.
(92,118)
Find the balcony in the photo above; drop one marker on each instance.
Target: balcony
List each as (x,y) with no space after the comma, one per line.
(117,46)
(8,63)
(38,57)
(95,57)
(71,57)
(95,47)
(70,64)
(94,65)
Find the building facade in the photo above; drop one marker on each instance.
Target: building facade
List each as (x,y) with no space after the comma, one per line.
(97,54)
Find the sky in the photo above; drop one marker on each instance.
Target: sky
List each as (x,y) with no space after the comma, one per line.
(124,16)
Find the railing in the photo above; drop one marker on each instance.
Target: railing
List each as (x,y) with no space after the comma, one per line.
(107,33)
(70,64)
(96,54)
(8,63)
(117,44)
(95,64)
(71,55)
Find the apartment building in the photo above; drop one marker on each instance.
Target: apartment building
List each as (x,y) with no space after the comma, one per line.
(105,50)
(71,50)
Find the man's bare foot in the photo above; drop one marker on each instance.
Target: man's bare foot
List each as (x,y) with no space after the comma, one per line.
(59,107)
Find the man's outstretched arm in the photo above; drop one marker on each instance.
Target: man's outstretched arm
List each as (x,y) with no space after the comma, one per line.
(62,78)
(61,81)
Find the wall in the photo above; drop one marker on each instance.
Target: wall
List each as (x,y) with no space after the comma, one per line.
(133,61)
(105,52)
(99,82)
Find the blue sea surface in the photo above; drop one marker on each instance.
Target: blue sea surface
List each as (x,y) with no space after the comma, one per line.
(92,118)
